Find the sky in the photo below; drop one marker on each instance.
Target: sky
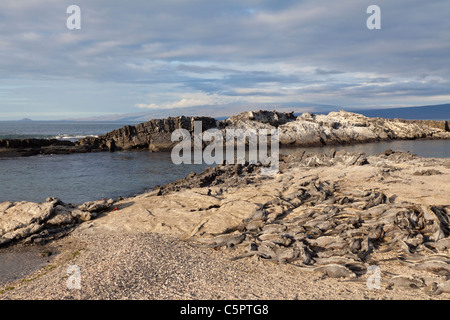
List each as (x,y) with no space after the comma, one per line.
(141,56)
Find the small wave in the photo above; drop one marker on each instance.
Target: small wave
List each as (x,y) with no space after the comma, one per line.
(63,136)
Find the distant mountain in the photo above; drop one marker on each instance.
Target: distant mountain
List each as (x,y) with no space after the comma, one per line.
(434,112)
(25,119)
(219,112)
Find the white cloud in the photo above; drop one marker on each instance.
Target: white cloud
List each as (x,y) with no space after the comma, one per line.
(191,100)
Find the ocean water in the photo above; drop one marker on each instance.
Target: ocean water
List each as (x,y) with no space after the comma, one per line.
(76,178)
(63,130)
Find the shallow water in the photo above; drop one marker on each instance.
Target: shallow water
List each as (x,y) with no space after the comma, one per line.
(18,262)
(423,148)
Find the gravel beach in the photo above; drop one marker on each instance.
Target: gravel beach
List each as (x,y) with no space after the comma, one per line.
(154,266)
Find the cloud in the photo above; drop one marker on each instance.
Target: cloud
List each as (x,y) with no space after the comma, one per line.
(325,72)
(190,100)
(170,54)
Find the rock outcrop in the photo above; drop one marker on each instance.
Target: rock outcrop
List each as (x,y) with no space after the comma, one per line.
(439,124)
(305,130)
(336,128)
(41,222)
(30,147)
(154,135)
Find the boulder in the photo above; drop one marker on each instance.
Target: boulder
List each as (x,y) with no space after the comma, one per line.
(44,221)
(96,206)
(154,135)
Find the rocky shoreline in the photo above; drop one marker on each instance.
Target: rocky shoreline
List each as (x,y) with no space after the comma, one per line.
(32,147)
(306,130)
(337,218)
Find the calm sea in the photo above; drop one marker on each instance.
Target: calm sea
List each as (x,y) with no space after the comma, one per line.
(64,130)
(77,178)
